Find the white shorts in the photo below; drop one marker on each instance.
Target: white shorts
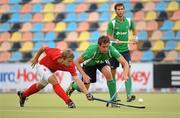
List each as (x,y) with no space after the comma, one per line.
(43,74)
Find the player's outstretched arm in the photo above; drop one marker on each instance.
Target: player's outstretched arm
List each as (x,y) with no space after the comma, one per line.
(125,67)
(78,62)
(34,61)
(83,88)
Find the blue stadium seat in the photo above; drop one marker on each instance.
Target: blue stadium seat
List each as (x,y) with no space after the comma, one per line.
(104,16)
(177,37)
(103,7)
(37,27)
(15,56)
(70,7)
(51,44)
(16,17)
(170,45)
(79,1)
(128,14)
(147,56)
(71,27)
(128,6)
(94,36)
(142,35)
(26,17)
(15,8)
(4,27)
(46,1)
(38,36)
(14,1)
(168,35)
(70,17)
(161,6)
(37,8)
(50,36)
(75,54)
(37,46)
(167,25)
(82,17)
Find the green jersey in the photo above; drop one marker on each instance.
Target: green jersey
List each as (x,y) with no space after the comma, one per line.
(93,56)
(119,30)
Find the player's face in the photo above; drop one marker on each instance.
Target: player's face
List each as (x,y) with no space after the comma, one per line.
(67,61)
(104,47)
(119,11)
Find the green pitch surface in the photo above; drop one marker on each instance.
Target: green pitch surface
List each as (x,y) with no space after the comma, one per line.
(50,106)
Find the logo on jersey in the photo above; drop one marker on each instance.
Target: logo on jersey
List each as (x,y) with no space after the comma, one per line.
(121,33)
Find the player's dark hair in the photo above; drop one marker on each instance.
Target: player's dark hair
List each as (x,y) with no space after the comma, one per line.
(68,54)
(117,5)
(103,39)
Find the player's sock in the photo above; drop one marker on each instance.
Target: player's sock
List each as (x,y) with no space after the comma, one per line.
(112,87)
(115,81)
(75,87)
(60,92)
(128,84)
(31,90)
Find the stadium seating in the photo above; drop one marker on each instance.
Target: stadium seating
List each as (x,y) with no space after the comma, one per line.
(27,36)
(147,56)
(4,56)
(5,36)
(48,27)
(168,35)
(71,37)
(136,56)
(62,45)
(158,45)
(81,7)
(171,56)
(176,15)
(27,25)
(5,46)
(159,56)
(15,56)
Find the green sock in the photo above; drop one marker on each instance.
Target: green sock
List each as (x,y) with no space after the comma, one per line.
(112,88)
(128,84)
(115,84)
(75,87)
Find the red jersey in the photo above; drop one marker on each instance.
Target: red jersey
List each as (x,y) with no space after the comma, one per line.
(50,61)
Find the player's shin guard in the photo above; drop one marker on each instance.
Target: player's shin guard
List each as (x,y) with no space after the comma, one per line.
(31,90)
(61,93)
(75,87)
(128,85)
(112,88)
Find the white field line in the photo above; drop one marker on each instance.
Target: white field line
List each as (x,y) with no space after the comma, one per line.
(69,110)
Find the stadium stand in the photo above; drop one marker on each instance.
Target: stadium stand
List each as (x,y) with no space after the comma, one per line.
(26,25)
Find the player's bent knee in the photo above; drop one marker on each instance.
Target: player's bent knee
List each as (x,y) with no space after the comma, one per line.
(52,79)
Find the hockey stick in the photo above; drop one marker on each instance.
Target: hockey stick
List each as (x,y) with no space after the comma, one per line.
(115,94)
(120,104)
(128,42)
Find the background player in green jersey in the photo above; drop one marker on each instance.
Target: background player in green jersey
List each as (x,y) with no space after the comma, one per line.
(96,57)
(117,31)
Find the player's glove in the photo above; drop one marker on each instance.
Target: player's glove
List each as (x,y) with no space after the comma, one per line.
(90,97)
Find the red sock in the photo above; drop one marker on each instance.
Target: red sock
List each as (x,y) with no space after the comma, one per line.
(60,92)
(31,90)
